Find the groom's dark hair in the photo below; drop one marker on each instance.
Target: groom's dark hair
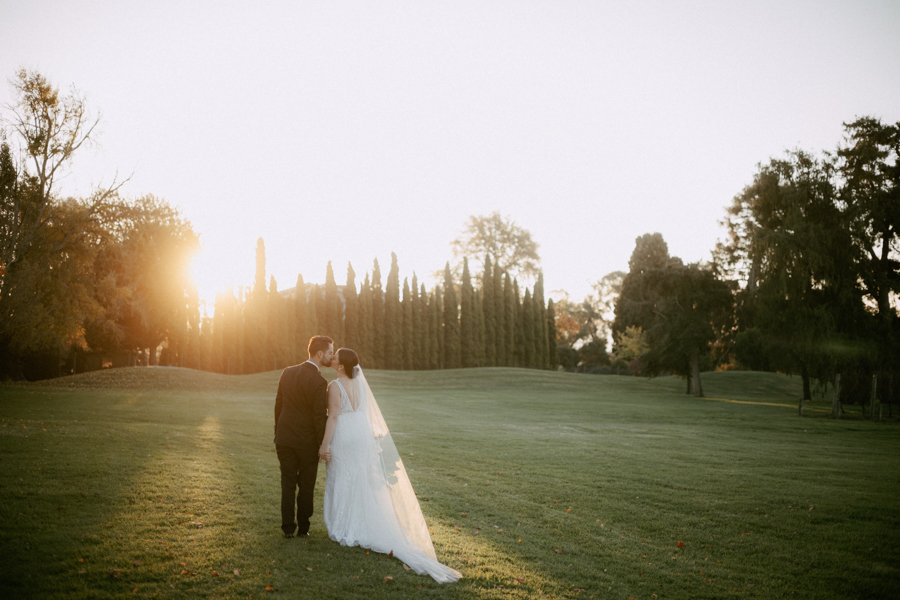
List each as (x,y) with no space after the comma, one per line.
(318,343)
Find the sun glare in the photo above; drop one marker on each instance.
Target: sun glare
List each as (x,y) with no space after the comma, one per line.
(212,275)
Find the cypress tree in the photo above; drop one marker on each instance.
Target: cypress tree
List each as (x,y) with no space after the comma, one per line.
(437,315)
(489,311)
(551,335)
(479,329)
(301,322)
(393,318)
(218,335)
(425,336)
(276,327)
(528,341)
(407,313)
(416,325)
(257,354)
(377,347)
(365,324)
(351,311)
(500,319)
(467,318)
(542,358)
(509,320)
(451,323)
(518,334)
(317,307)
(334,314)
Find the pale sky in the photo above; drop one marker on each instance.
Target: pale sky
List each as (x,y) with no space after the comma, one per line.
(344,131)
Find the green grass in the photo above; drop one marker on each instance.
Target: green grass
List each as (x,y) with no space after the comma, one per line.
(593,480)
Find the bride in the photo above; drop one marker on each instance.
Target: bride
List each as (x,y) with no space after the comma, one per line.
(369,500)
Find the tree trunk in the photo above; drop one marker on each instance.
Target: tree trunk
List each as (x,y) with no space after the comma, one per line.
(689,382)
(836,399)
(695,371)
(152,357)
(804,374)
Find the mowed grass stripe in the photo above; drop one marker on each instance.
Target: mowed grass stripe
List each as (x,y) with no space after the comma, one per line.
(599,477)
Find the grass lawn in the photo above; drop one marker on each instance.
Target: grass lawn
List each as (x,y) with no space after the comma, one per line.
(164,483)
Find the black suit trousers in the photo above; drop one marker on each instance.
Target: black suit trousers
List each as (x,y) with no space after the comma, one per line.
(298,474)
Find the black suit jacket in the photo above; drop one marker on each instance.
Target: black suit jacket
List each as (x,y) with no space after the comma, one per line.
(301,409)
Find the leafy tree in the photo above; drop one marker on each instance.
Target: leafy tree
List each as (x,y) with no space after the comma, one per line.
(334,312)
(427,342)
(500,336)
(419,341)
(511,248)
(542,359)
(640,291)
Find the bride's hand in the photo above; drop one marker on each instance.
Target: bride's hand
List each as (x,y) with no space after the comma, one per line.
(324,454)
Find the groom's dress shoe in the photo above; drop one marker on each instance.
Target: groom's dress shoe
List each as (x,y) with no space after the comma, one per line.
(288,535)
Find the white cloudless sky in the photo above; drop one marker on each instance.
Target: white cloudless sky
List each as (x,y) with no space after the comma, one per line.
(345,131)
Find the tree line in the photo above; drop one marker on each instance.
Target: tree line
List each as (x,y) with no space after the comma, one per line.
(806,281)
(458,324)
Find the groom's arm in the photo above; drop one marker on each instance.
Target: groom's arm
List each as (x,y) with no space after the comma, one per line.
(279,400)
(320,409)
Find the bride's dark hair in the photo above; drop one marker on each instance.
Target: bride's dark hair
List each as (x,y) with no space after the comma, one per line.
(348,359)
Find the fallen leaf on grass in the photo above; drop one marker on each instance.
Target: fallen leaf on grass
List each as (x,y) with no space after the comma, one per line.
(236,572)
(270,588)
(82,572)
(215,573)
(500,531)
(386,579)
(309,568)
(407,567)
(81,560)
(137,563)
(117,573)
(367,553)
(391,553)
(520,579)
(558,550)
(680,544)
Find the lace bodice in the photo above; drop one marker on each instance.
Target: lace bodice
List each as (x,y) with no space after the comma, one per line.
(346,406)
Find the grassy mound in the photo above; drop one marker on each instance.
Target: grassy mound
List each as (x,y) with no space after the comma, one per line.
(164,483)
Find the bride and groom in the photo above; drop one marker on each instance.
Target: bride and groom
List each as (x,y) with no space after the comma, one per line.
(369,500)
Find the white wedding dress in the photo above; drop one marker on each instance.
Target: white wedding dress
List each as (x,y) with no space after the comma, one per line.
(369,500)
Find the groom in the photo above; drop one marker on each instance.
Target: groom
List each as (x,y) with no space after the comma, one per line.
(300,415)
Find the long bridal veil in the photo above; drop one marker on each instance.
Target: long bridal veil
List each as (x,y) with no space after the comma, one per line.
(392,488)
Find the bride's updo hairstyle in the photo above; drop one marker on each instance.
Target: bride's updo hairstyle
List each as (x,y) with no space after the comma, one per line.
(348,360)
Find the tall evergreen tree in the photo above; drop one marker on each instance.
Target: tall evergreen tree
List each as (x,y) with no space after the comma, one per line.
(302,326)
(452,348)
(317,307)
(407,330)
(542,358)
(425,335)
(255,331)
(278,339)
(479,329)
(351,311)
(467,318)
(489,311)
(334,314)
(499,319)
(377,347)
(510,317)
(528,341)
(393,318)
(418,351)
(437,315)
(364,339)
(218,354)
(551,335)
